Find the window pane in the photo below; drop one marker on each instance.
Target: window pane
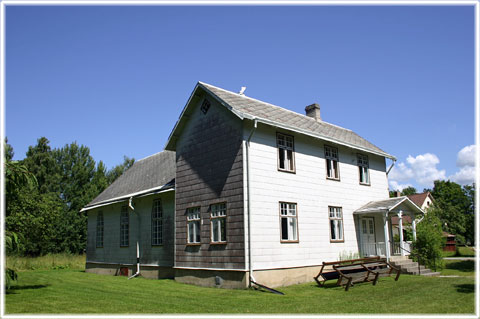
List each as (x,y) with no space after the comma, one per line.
(215,230)
(281,158)
(223,236)
(340,229)
(290,160)
(284,229)
(293,228)
(196,227)
(335,168)
(332,230)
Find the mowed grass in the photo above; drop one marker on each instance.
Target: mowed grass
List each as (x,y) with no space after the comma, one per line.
(458,268)
(461,251)
(74,291)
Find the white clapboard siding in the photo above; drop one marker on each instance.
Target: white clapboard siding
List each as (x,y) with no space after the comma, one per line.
(313,193)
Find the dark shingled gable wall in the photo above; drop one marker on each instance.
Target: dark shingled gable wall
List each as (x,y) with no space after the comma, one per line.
(209,170)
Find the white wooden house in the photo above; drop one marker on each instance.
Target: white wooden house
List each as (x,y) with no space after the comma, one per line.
(260,193)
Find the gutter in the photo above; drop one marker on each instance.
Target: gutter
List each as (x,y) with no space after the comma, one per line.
(250,270)
(138,238)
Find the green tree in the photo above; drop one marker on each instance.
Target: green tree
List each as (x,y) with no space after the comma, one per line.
(453,209)
(41,162)
(430,242)
(410,190)
(8,149)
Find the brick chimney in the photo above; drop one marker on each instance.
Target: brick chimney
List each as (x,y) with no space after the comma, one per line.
(313,110)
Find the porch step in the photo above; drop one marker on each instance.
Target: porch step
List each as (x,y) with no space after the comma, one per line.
(409,266)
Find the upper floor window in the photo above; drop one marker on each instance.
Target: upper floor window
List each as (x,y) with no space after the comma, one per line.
(286,158)
(205,106)
(99,241)
(364,174)
(193,225)
(124,227)
(336,223)
(157,222)
(331,157)
(218,219)
(288,222)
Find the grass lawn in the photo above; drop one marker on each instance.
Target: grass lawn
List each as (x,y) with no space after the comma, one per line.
(74,291)
(459,268)
(462,251)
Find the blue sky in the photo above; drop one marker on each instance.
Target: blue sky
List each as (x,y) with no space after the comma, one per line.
(115,78)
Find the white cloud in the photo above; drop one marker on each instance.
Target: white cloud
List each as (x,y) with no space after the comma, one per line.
(398,187)
(422,169)
(466,164)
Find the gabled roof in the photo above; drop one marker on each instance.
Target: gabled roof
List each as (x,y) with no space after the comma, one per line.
(249,108)
(389,205)
(419,199)
(149,175)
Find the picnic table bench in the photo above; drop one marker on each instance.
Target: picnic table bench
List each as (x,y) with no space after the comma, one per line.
(348,272)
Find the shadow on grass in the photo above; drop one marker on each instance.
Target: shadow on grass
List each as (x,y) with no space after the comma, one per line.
(13,289)
(464,265)
(466,288)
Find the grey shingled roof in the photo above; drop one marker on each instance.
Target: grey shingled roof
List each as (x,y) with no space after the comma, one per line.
(249,107)
(388,205)
(155,171)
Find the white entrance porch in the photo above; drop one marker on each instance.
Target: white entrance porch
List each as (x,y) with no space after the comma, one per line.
(373,225)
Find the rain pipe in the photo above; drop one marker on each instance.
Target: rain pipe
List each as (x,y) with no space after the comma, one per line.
(250,271)
(138,235)
(391,166)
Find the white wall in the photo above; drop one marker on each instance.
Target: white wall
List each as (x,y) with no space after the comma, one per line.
(313,193)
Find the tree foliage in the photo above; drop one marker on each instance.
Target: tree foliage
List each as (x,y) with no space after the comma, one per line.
(429,243)
(455,209)
(46,191)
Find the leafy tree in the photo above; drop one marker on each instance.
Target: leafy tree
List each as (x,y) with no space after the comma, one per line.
(454,209)
(118,170)
(430,242)
(410,190)
(8,149)
(11,244)
(41,162)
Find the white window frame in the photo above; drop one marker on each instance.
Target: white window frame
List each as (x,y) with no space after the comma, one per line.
(218,223)
(286,149)
(332,165)
(363,170)
(193,226)
(335,219)
(124,227)
(157,222)
(99,230)
(289,216)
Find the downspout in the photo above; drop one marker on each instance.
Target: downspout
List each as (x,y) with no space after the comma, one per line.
(391,166)
(138,235)
(250,270)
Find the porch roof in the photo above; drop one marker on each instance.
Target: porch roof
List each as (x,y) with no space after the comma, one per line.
(393,205)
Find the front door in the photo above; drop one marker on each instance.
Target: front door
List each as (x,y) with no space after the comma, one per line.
(367,232)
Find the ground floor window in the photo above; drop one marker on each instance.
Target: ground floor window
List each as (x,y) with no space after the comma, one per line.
(124,227)
(193,225)
(99,241)
(336,223)
(218,220)
(288,222)
(157,222)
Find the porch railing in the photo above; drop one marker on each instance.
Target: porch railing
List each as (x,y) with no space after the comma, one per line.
(395,247)
(378,248)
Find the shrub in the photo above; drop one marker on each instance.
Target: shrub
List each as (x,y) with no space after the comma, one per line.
(429,241)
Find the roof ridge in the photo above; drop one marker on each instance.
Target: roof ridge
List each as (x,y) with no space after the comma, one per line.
(150,156)
(285,109)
